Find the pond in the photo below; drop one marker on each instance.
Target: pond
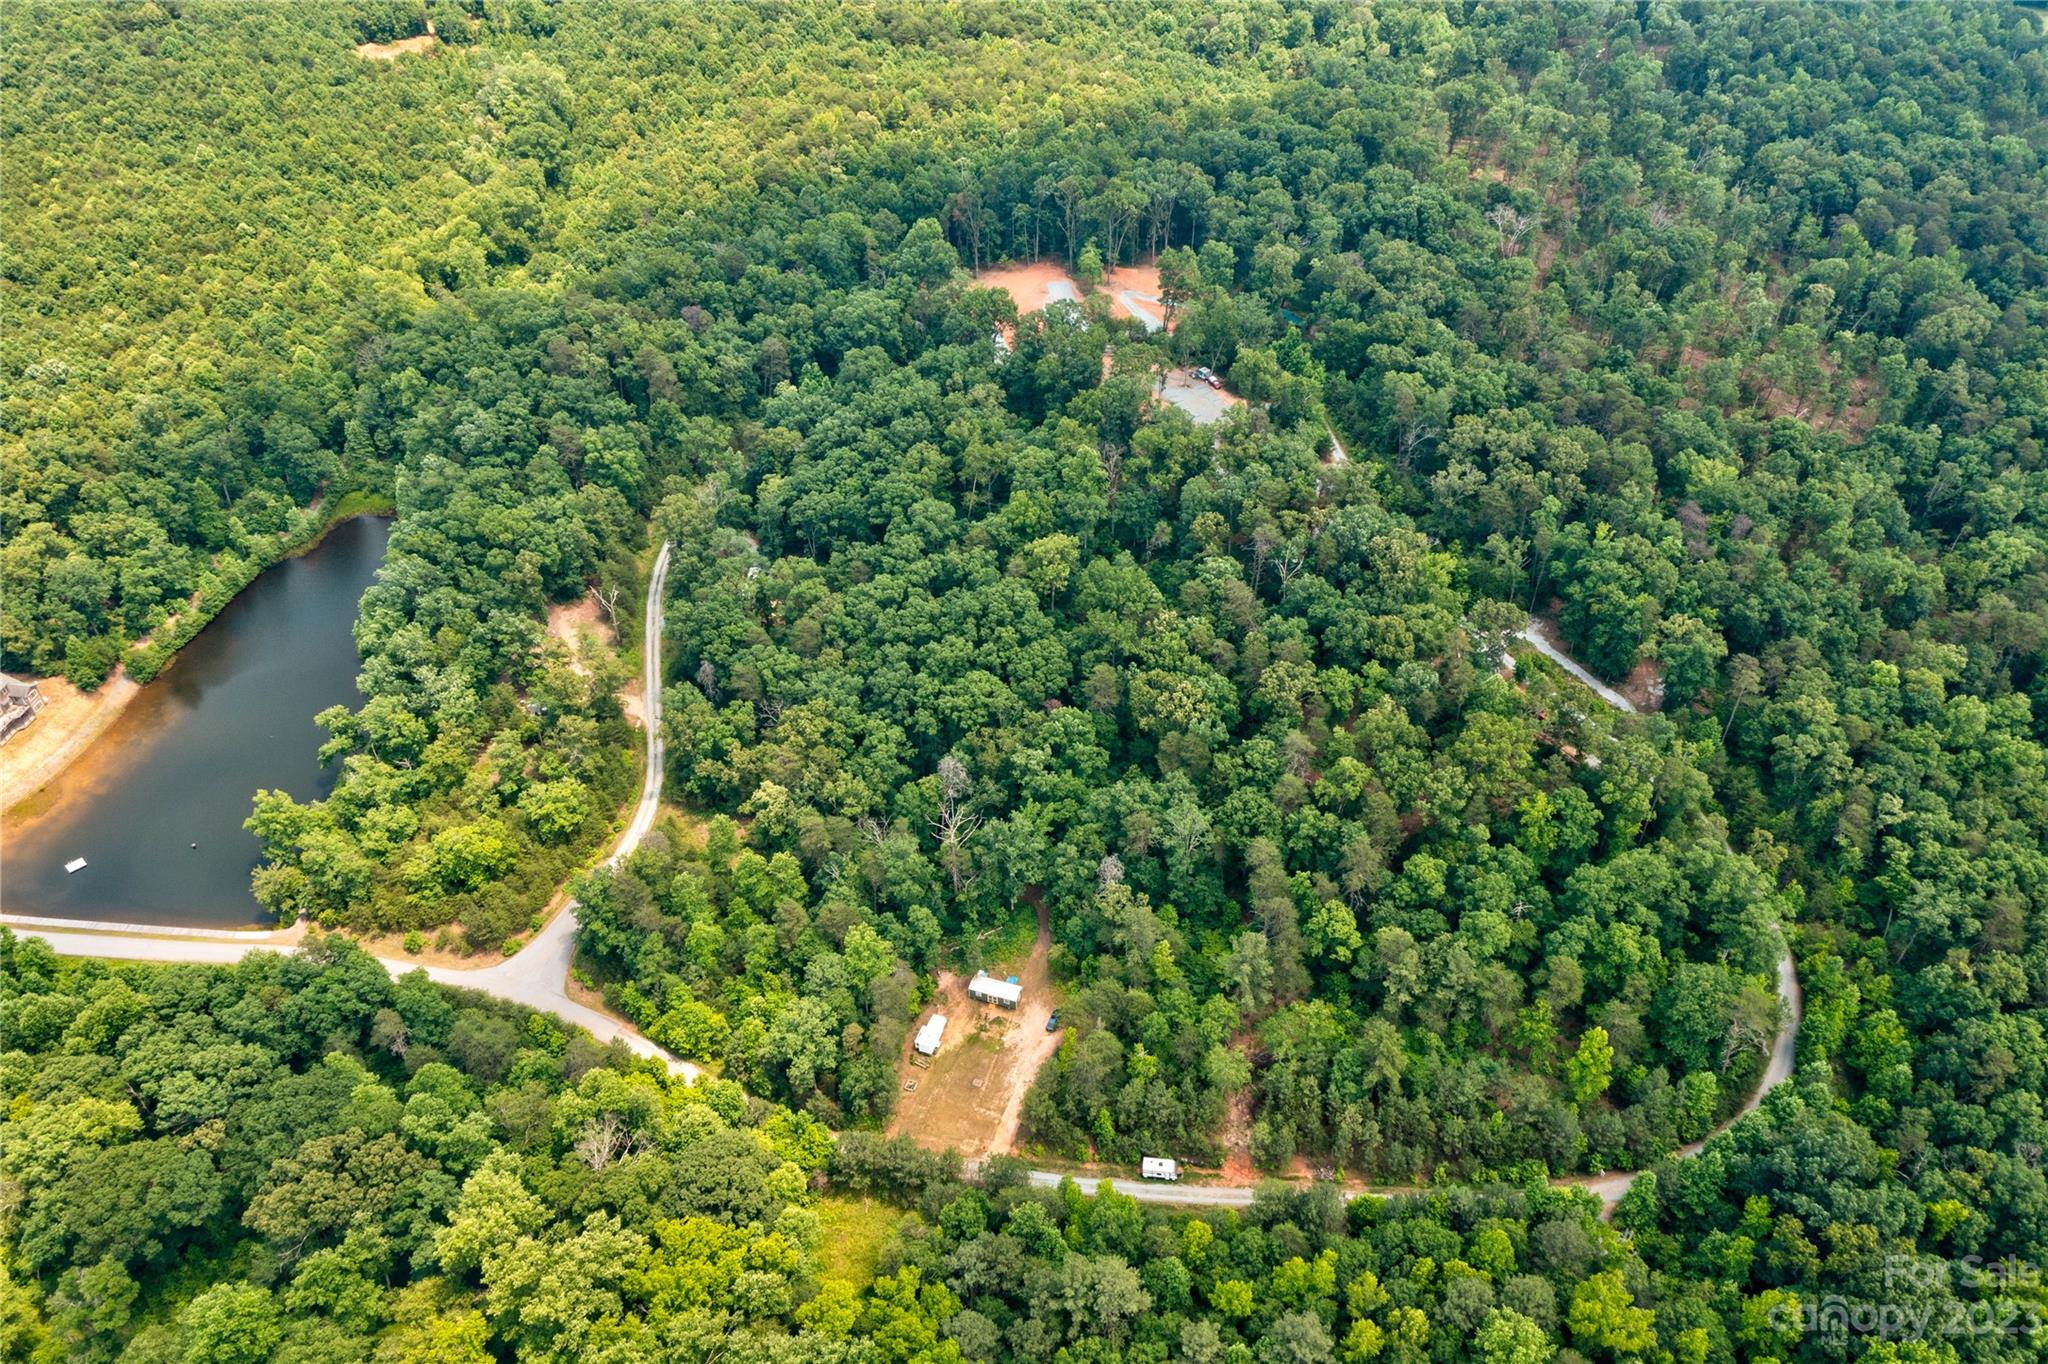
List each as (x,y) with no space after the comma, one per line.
(155,806)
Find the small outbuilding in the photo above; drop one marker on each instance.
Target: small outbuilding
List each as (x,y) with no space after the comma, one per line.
(1159,1167)
(927,1039)
(990,990)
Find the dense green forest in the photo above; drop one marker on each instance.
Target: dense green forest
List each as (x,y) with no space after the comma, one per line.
(1716,334)
(299,1159)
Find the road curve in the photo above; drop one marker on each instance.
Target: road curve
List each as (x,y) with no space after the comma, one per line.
(536,976)
(1609,1187)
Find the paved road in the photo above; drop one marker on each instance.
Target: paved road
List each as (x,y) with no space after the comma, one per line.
(536,976)
(1535,639)
(1187,1195)
(1610,1187)
(1137,302)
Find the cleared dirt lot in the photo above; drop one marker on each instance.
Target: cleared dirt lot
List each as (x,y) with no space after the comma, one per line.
(581,626)
(971,1097)
(391,52)
(1031,287)
(1134,292)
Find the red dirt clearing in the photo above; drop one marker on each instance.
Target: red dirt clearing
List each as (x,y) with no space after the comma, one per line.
(1031,287)
(1134,293)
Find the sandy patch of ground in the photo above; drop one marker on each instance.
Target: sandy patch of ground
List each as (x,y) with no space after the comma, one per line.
(1134,292)
(577,624)
(391,52)
(67,724)
(1645,687)
(1204,404)
(971,1097)
(1031,287)
(1237,1140)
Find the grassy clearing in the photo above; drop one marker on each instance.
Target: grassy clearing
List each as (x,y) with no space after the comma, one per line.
(1009,941)
(854,1230)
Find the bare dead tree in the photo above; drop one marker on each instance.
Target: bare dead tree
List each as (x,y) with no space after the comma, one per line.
(608,602)
(956,821)
(1109,872)
(707,681)
(1189,828)
(1512,224)
(605,1139)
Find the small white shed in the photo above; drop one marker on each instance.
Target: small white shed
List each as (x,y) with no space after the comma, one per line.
(1159,1167)
(927,1039)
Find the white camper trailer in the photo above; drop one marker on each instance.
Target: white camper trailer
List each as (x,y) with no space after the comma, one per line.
(927,1039)
(990,990)
(1159,1167)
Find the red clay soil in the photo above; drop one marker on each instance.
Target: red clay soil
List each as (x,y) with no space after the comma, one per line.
(1031,287)
(1237,1141)
(1142,280)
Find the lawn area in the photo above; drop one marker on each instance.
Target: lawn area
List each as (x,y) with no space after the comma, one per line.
(854,1229)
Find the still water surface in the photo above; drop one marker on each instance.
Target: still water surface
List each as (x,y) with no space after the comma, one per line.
(232,714)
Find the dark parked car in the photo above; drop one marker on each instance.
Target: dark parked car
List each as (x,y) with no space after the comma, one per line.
(1053,1024)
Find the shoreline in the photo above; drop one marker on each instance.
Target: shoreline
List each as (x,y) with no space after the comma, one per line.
(27,770)
(28,767)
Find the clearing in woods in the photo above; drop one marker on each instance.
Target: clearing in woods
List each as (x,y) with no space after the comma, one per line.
(1031,287)
(851,1232)
(1134,292)
(581,626)
(391,52)
(971,1098)
(1203,404)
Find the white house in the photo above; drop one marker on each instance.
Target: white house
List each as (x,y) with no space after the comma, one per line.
(990,990)
(927,1039)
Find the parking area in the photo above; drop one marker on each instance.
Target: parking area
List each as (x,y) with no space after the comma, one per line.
(1202,402)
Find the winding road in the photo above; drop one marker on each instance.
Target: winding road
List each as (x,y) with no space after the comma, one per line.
(1608,1187)
(536,976)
